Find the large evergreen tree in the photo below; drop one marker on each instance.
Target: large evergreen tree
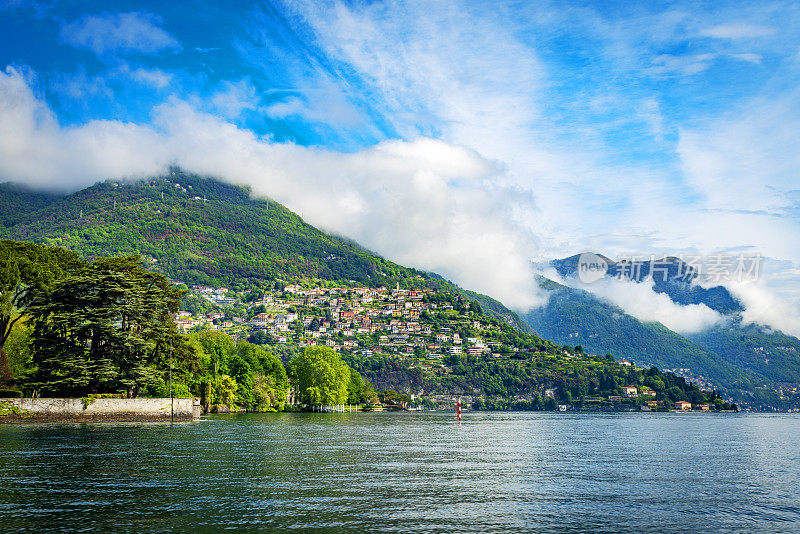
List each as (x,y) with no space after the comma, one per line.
(100,329)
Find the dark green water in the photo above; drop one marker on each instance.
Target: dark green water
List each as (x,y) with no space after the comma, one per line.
(403,472)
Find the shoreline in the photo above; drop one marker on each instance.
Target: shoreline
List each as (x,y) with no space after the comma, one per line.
(72,410)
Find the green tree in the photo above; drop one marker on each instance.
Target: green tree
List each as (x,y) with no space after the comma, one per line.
(356,388)
(321,376)
(218,349)
(26,269)
(261,376)
(18,351)
(676,394)
(223,391)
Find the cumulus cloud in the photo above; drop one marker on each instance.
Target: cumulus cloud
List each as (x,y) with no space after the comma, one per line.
(640,300)
(424,203)
(35,149)
(123,33)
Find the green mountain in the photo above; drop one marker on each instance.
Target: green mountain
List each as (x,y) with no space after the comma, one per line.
(201,231)
(576,317)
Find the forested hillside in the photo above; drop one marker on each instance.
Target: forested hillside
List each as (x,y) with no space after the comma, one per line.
(575,316)
(107,328)
(202,231)
(199,231)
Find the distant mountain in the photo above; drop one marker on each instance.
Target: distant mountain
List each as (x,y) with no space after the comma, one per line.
(730,354)
(577,317)
(670,275)
(771,355)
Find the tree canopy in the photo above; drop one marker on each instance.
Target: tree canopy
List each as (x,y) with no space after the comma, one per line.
(26,269)
(322,378)
(100,328)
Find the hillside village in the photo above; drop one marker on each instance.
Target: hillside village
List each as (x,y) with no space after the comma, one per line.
(428,330)
(361,319)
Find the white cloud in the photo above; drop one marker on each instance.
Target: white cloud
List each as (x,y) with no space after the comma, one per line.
(234,98)
(749,57)
(766,307)
(123,33)
(671,65)
(79,86)
(153,77)
(641,301)
(441,64)
(424,203)
(324,103)
(737,30)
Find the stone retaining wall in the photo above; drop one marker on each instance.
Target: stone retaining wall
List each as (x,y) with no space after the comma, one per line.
(76,409)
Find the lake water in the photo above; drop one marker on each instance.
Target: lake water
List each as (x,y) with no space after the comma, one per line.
(496,472)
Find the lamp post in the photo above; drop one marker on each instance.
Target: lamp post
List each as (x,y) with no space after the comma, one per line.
(171,400)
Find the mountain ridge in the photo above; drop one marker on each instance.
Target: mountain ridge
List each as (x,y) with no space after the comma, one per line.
(199,230)
(202,231)
(739,357)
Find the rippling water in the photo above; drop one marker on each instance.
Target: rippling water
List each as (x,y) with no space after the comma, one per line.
(497,472)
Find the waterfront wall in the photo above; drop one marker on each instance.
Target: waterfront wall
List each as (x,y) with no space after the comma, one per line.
(77,409)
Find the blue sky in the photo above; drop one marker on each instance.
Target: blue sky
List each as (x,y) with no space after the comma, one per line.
(462,137)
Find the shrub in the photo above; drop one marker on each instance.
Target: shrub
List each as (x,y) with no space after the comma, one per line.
(10,394)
